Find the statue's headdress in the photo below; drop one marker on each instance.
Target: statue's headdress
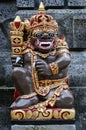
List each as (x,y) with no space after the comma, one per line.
(42,20)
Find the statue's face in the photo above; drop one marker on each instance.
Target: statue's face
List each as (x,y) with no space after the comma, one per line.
(43,40)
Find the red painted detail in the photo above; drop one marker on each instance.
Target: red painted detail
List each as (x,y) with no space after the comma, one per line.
(16,94)
(17,24)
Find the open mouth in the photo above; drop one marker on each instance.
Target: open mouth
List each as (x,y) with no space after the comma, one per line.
(45,44)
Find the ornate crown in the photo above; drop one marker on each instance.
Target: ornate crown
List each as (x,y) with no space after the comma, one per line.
(42,21)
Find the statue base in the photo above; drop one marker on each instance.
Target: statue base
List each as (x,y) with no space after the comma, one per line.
(48,124)
(43,119)
(42,114)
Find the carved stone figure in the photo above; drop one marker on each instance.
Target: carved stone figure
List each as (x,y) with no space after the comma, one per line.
(40,62)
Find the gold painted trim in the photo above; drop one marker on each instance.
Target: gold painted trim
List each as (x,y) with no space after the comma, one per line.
(54,68)
(56,113)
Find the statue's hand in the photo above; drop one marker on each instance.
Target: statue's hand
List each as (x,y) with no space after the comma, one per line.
(42,68)
(17,61)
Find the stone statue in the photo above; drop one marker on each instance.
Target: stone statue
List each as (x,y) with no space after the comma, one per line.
(40,62)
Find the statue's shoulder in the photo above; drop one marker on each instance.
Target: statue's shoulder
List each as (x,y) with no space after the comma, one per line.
(62,46)
(61,43)
(26,48)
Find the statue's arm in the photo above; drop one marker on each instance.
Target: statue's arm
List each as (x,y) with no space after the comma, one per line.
(61,62)
(62,57)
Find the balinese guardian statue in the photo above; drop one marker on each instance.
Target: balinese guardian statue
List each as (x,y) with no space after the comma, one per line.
(40,62)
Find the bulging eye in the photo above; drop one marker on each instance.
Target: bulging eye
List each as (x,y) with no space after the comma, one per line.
(51,34)
(38,34)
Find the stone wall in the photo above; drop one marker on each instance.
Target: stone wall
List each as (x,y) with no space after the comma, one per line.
(71,17)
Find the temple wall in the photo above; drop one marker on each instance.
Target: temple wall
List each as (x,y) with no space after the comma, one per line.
(71,17)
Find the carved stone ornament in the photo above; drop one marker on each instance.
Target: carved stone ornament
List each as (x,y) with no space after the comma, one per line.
(40,62)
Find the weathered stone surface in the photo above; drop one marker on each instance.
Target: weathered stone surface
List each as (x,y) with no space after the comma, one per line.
(78,3)
(25,3)
(43,127)
(2,73)
(8,71)
(36,4)
(5,68)
(80,100)
(7,9)
(6,96)
(5,58)
(80,106)
(79,33)
(77,71)
(5,122)
(54,3)
(3,42)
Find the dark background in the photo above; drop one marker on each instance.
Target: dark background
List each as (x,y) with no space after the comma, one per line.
(71,17)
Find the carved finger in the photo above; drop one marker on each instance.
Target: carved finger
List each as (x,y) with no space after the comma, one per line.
(39,66)
(39,61)
(40,70)
(41,73)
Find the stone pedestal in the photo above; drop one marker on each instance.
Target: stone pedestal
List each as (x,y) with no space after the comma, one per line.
(44,127)
(43,124)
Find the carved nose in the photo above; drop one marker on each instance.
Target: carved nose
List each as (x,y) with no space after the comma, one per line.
(45,36)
